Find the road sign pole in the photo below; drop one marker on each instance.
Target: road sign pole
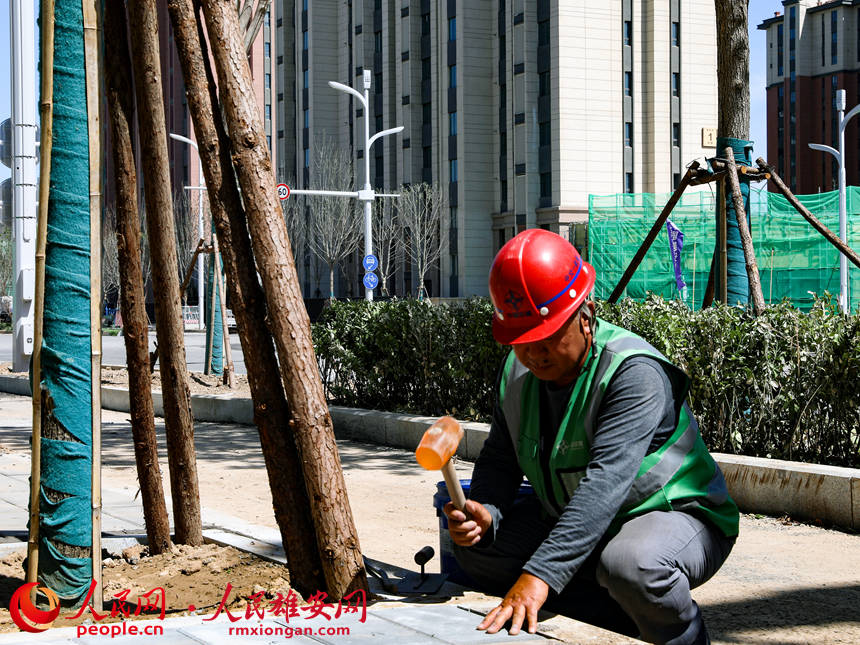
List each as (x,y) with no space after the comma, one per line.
(24,179)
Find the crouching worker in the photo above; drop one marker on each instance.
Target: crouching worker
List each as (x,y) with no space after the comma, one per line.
(630,510)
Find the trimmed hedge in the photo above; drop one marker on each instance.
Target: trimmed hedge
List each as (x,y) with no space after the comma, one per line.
(784,385)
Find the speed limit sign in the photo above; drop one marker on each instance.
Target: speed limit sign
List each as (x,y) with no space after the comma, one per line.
(283,191)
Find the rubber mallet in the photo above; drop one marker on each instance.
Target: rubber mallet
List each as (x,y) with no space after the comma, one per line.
(437,446)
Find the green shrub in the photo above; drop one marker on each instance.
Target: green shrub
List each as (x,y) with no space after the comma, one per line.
(409,355)
(784,385)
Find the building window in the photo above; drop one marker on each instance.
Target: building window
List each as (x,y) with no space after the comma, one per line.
(452,123)
(280,134)
(267,50)
(452,76)
(628,32)
(628,182)
(268,81)
(544,130)
(427,157)
(305,40)
(377,42)
(519,117)
(307,118)
(628,134)
(452,29)
(306,79)
(676,84)
(543,84)
(425,24)
(628,83)
(676,34)
(543,33)
(307,158)
(780,50)
(676,135)
(268,111)
(546,185)
(834,37)
(452,170)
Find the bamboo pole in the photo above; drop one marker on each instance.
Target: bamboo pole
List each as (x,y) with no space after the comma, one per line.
(724,260)
(746,238)
(814,221)
(46,32)
(770,291)
(92,39)
(693,299)
(652,234)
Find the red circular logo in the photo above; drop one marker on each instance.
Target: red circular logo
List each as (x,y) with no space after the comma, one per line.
(25,614)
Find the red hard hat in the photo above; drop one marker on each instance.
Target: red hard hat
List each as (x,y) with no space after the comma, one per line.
(538,280)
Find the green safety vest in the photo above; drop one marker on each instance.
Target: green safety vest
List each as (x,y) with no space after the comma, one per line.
(680,475)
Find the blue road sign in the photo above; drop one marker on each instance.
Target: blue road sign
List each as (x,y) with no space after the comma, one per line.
(370,263)
(370,280)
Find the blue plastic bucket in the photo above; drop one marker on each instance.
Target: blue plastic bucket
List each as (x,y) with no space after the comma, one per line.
(448,562)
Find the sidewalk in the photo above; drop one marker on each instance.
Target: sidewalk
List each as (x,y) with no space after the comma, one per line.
(783,583)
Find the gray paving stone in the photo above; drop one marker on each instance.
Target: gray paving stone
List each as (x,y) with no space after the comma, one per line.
(451,624)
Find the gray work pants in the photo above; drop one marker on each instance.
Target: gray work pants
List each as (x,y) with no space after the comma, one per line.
(637,582)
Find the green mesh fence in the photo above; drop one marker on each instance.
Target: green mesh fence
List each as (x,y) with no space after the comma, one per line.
(794,260)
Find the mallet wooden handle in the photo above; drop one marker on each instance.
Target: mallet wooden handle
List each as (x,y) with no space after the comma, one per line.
(453,484)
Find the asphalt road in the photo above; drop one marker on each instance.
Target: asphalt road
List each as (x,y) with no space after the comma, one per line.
(113,350)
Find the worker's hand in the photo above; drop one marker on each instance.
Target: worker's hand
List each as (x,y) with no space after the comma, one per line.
(522,602)
(468,528)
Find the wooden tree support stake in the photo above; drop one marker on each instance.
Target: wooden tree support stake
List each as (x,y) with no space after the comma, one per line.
(829,235)
(746,238)
(652,234)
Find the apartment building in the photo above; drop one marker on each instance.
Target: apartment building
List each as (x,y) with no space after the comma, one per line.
(813,49)
(519,109)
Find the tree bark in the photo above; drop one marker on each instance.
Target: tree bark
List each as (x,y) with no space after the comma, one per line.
(271,412)
(132,297)
(733,69)
(179,424)
(337,540)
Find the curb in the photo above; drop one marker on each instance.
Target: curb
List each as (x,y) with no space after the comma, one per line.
(818,493)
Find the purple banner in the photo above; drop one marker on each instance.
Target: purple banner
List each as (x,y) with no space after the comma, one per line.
(676,244)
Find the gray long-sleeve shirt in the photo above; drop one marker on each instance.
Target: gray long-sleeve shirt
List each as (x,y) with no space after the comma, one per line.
(638,413)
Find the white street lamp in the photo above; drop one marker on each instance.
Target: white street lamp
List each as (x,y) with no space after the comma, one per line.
(201,185)
(843,216)
(367,194)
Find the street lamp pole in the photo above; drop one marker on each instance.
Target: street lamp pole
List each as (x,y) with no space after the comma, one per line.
(843,215)
(200,184)
(367,194)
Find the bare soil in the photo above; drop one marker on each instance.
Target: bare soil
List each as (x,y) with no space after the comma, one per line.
(195,577)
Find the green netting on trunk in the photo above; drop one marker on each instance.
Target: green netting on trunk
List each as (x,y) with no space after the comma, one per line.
(215,331)
(794,260)
(65,511)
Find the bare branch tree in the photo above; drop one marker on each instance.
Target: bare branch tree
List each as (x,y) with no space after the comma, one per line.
(187,235)
(145,257)
(7,248)
(387,238)
(110,256)
(334,227)
(421,208)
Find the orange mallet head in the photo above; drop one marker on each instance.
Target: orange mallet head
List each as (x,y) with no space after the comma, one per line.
(439,443)
(437,446)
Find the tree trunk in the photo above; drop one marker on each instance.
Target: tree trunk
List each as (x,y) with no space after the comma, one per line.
(337,540)
(733,128)
(271,412)
(131,295)
(179,424)
(733,69)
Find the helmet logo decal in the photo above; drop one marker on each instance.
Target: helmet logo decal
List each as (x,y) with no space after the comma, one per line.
(514,300)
